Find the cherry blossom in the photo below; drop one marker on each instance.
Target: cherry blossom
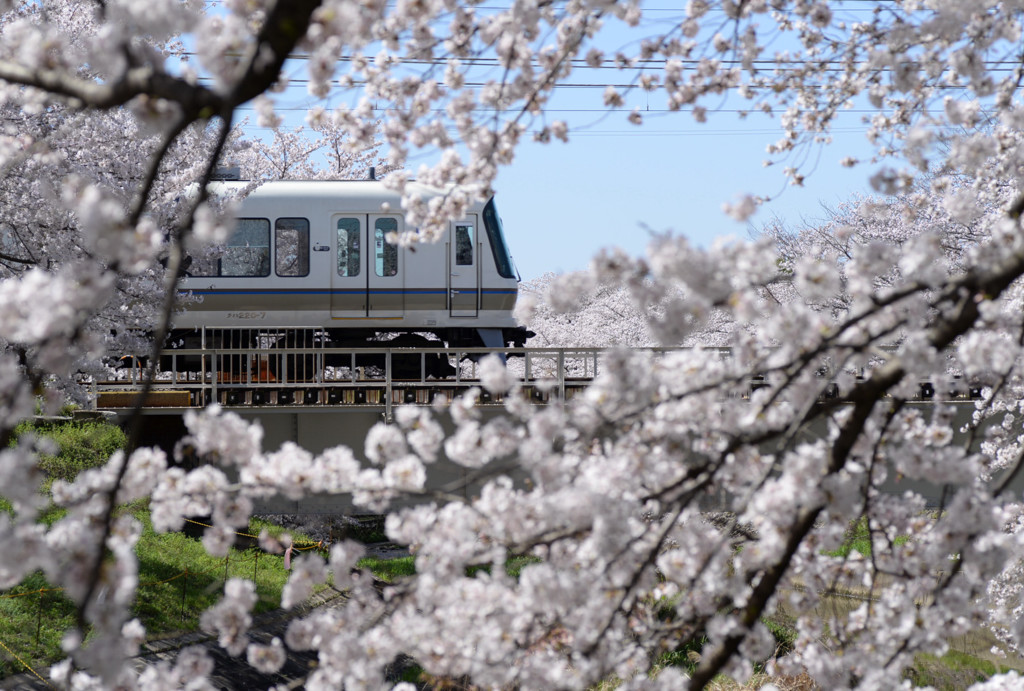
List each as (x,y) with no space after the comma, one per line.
(683,495)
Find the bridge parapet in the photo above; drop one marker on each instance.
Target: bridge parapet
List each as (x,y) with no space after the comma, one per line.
(377,377)
(248,368)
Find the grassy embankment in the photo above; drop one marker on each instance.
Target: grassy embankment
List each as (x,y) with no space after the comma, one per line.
(178,581)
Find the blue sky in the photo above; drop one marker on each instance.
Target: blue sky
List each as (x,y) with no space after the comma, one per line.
(562,203)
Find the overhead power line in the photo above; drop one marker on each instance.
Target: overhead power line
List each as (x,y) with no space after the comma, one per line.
(761,64)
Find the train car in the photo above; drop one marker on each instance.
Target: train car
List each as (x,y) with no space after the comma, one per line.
(315,255)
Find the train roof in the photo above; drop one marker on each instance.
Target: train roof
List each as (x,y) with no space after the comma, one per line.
(362,191)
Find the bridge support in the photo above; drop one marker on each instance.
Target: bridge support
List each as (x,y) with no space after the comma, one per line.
(316,430)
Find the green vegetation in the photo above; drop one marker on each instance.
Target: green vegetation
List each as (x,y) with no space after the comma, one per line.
(396,567)
(389,570)
(954,670)
(80,445)
(515,565)
(179,580)
(33,618)
(784,634)
(858,539)
(257,525)
(688,656)
(685,657)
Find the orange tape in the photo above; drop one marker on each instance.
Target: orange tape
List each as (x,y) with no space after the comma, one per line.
(166,580)
(26,665)
(32,592)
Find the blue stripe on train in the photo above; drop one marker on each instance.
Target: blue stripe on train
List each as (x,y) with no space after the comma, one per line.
(376,291)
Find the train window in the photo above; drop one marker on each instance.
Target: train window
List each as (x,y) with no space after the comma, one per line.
(246,253)
(464,245)
(492,224)
(205,262)
(248,249)
(348,246)
(291,247)
(385,254)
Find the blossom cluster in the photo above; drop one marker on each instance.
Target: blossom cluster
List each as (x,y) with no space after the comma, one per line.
(683,496)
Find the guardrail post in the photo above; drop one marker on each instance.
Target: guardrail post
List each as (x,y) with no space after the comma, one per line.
(387,386)
(203,386)
(39,615)
(561,374)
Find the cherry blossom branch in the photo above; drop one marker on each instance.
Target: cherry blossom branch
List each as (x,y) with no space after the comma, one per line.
(864,398)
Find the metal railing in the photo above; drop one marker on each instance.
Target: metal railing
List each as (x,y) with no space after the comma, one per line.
(259,367)
(298,367)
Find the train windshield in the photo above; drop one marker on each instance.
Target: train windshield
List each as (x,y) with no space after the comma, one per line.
(502,258)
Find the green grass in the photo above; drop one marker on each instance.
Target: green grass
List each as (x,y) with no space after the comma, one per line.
(515,565)
(33,624)
(173,566)
(80,445)
(685,657)
(858,539)
(34,615)
(954,670)
(389,570)
(178,580)
(784,634)
(257,525)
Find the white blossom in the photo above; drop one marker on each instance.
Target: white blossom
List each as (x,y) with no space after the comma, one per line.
(230,618)
(836,330)
(307,570)
(266,659)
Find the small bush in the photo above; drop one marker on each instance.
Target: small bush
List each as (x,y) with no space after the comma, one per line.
(389,570)
(366,528)
(858,539)
(785,636)
(81,445)
(954,670)
(686,656)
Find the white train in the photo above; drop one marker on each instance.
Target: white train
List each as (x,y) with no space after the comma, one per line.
(314,255)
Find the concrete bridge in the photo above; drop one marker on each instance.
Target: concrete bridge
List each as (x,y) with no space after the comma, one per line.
(320,397)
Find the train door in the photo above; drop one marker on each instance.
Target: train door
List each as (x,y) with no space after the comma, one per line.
(464,263)
(368,279)
(385,275)
(348,279)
